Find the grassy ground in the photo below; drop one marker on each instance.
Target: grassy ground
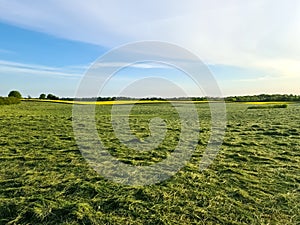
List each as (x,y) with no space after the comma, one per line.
(254,180)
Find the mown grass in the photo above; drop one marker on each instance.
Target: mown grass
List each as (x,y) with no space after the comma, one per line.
(45,180)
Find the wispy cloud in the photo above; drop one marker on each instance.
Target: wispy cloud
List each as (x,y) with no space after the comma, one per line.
(140,65)
(258,79)
(260,34)
(5,51)
(8,67)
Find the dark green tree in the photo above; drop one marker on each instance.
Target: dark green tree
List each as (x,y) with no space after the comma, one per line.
(42,96)
(52,97)
(15,94)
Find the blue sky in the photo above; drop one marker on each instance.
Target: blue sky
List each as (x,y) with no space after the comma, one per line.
(251,47)
(35,62)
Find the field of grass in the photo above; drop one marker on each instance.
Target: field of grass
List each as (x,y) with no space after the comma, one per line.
(44,179)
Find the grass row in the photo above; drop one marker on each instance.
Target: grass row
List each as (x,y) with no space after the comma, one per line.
(267,106)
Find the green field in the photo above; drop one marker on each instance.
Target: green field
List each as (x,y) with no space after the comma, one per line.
(255,178)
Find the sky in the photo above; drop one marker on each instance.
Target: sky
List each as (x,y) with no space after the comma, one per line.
(250,47)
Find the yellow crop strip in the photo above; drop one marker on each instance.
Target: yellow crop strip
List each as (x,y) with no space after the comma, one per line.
(264,103)
(94,102)
(123,102)
(110,102)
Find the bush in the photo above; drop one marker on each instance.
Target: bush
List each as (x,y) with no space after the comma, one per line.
(9,100)
(15,94)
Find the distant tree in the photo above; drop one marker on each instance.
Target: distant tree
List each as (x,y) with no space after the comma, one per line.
(15,94)
(42,96)
(52,97)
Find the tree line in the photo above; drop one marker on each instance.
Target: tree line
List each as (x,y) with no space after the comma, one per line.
(264,98)
(246,98)
(15,97)
(49,96)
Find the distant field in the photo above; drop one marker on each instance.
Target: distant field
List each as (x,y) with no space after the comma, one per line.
(255,179)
